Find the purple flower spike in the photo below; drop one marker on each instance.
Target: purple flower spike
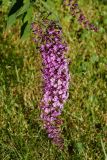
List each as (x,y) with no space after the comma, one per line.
(56,81)
(76,11)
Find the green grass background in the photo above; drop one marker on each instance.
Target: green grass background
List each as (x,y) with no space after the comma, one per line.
(85,118)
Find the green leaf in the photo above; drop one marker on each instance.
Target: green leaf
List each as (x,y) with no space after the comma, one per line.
(15,6)
(105,21)
(50,6)
(28,16)
(94,58)
(26,1)
(11,20)
(80,147)
(23,9)
(25,31)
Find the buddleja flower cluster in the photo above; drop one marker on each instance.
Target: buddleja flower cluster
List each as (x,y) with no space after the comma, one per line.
(56,81)
(77,12)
